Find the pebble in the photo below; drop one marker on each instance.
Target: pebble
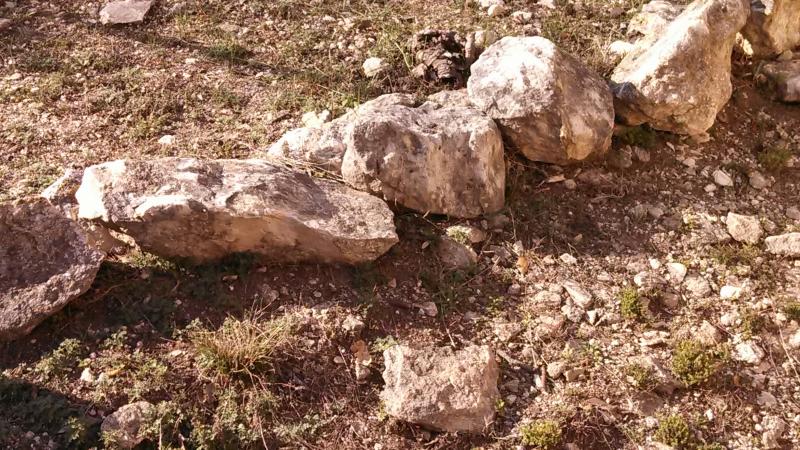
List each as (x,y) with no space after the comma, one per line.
(722,178)
(748,352)
(574,374)
(522,17)
(793,213)
(556,368)
(766,399)
(757,181)
(496,10)
(570,184)
(568,259)
(167,139)
(87,376)
(579,295)
(677,272)
(743,228)
(729,292)
(697,286)
(373,67)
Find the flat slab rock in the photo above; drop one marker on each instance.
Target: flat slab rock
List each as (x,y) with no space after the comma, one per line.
(441,389)
(548,105)
(125,11)
(45,262)
(678,78)
(204,210)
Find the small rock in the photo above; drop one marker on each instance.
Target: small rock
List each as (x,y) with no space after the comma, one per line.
(87,376)
(784,244)
(677,272)
(373,67)
(547,298)
(125,11)
(570,184)
(766,400)
(729,292)
(743,228)
(708,334)
(167,139)
(496,10)
(353,324)
(572,312)
(757,181)
(748,352)
(574,374)
(506,331)
(793,213)
(551,325)
(5,24)
(579,295)
(774,428)
(455,255)
(697,286)
(556,368)
(124,424)
(441,389)
(428,308)
(522,17)
(722,178)
(568,259)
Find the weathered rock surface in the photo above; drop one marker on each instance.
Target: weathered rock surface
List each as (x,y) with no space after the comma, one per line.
(679,79)
(205,210)
(325,146)
(45,262)
(783,78)
(123,426)
(547,104)
(455,255)
(441,389)
(743,228)
(441,161)
(434,158)
(773,27)
(125,11)
(458,97)
(653,18)
(784,244)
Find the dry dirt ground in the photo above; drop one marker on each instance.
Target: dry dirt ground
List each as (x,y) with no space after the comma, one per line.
(226,78)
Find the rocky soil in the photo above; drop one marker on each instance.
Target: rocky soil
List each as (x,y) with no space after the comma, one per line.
(642,293)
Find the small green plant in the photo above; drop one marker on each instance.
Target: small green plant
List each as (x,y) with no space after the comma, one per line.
(774,158)
(792,310)
(643,377)
(752,323)
(500,405)
(240,418)
(144,260)
(641,136)
(60,361)
(228,50)
(381,344)
(728,254)
(694,364)
(543,434)
(673,431)
(306,428)
(243,346)
(459,235)
(630,304)
(495,306)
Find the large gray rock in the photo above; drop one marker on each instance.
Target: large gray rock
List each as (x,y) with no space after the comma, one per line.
(125,11)
(679,79)
(441,161)
(441,389)
(205,210)
(324,146)
(123,427)
(785,244)
(783,77)
(45,262)
(743,228)
(432,159)
(547,104)
(773,27)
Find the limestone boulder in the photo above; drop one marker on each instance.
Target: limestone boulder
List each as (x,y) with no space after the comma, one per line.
(204,210)
(441,389)
(783,79)
(445,160)
(773,27)
(46,261)
(653,18)
(324,146)
(678,79)
(547,104)
(439,158)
